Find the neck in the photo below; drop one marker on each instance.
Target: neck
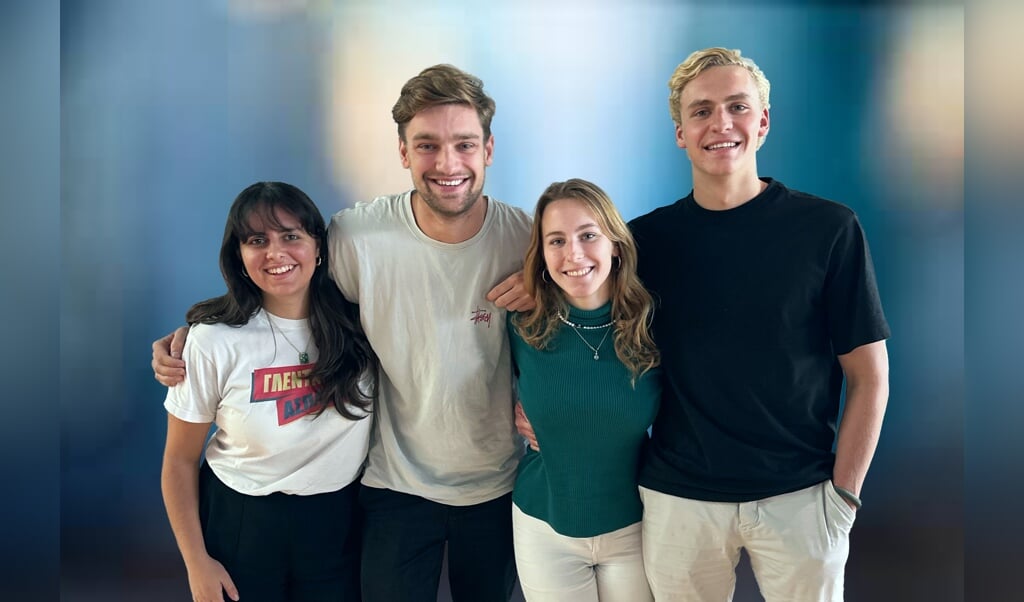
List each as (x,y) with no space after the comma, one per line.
(588,305)
(449,229)
(289,309)
(722,193)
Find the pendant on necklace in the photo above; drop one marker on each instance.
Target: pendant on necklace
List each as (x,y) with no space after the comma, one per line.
(596,356)
(304,357)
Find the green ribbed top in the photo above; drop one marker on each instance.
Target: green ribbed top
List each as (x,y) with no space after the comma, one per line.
(591,426)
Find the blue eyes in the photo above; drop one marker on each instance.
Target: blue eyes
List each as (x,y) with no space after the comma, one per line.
(737,108)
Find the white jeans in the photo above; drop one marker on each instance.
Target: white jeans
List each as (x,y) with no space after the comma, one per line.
(797,542)
(556,568)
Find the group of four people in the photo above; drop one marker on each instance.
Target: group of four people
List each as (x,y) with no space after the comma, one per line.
(728,319)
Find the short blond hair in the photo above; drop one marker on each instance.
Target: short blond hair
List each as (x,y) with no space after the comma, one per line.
(702,60)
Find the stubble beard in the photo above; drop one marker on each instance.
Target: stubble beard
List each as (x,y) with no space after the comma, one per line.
(439,208)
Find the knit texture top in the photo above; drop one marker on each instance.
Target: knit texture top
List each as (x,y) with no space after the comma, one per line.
(591,426)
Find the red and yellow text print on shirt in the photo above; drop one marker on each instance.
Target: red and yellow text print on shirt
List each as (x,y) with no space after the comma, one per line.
(289,386)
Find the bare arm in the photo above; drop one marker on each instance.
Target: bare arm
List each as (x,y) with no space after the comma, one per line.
(168,367)
(525,428)
(179,481)
(511,294)
(867,393)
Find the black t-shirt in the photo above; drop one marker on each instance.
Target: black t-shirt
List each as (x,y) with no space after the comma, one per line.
(753,305)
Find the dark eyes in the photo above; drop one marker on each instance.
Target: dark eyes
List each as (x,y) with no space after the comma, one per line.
(586,237)
(259,241)
(465,146)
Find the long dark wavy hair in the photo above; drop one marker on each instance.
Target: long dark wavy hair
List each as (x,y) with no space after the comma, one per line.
(345,373)
(632,307)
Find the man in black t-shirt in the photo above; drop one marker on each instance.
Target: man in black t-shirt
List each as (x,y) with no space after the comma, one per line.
(766,302)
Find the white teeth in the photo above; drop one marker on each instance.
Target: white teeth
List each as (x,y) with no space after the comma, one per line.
(281,270)
(450,182)
(581,272)
(723,145)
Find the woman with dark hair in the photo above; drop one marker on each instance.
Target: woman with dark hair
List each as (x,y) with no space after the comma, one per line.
(281,366)
(589,384)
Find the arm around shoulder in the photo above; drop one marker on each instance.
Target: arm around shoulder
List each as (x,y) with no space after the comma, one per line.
(168,367)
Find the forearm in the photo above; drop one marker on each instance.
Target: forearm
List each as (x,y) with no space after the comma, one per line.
(859,432)
(179,481)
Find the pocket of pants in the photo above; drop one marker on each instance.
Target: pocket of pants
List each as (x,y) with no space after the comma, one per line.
(846,515)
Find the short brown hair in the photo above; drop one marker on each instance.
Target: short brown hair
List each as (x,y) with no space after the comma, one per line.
(442,85)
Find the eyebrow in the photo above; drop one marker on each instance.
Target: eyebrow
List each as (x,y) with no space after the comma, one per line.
(560,233)
(264,233)
(730,98)
(429,136)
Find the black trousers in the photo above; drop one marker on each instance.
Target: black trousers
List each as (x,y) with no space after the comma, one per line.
(404,539)
(283,548)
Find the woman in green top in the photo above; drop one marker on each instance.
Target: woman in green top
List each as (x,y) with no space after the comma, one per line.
(587,380)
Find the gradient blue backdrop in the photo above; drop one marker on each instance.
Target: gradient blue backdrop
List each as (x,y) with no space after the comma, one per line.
(169,109)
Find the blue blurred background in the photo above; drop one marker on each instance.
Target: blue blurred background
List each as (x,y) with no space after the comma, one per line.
(169,109)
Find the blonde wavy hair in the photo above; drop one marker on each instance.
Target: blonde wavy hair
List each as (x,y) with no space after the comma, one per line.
(632,306)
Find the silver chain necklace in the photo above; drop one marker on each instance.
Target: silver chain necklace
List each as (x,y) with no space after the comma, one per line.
(303,355)
(577,327)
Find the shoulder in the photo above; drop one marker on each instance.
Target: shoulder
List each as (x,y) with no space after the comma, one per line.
(209,338)
(510,215)
(381,210)
(506,228)
(654,218)
(820,206)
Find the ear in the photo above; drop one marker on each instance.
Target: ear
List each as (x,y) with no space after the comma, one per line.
(403,151)
(762,130)
(680,141)
(489,151)
(615,250)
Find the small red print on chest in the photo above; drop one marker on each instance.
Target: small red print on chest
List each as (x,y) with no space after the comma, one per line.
(481,315)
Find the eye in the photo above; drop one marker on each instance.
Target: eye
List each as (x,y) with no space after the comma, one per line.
(256,241)
(555,242)
(291,236)
(740,107)
(425,147)
(588,236)
(702,113)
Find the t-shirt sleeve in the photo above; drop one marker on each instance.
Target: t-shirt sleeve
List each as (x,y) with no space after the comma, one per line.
(852,303)
(196,398)
(344,264)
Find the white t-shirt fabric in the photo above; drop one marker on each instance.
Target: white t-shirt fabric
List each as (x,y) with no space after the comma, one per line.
(248,380)
(444,427)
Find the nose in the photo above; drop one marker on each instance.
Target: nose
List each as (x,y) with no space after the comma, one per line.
(722,120)
(574,249)
(446,160)
(274,247)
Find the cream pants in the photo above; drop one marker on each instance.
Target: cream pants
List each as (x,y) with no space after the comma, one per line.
(556,568)
(797,542)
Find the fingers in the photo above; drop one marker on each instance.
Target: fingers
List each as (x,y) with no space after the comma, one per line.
(523,302)
(229,587)
(510,294)
(501,290)
(168,370)
(178,341)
